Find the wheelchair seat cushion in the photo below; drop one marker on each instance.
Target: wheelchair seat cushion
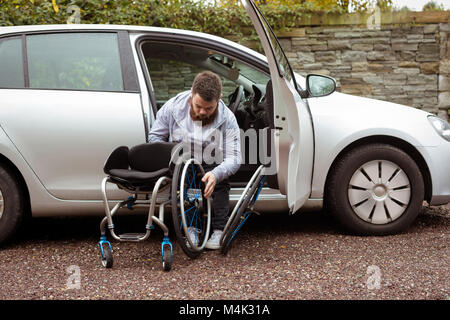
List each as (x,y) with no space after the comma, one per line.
(134,176)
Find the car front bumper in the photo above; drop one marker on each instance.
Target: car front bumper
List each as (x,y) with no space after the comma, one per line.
(438,160)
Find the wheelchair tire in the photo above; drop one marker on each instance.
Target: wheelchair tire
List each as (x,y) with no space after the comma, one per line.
(241,213)
(167,260)
(107,259)
(188,207)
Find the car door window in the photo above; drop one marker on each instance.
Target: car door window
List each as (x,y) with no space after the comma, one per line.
(11,66)
(170,77)
(74,61)
(173,67)
(284,68)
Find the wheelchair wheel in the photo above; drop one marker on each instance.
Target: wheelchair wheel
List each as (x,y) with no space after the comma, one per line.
(166,254)
(242,211)
(167,260)
(191,212)
(107,258)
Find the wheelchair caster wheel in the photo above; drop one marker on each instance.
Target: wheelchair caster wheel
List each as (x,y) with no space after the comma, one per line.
(166,260)
(107,260)
(106,253)
(167,254)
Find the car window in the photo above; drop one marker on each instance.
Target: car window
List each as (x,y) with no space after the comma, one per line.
(77,61)
(11,64)
(173,67)
(284,67)
(170,77)
(245,70)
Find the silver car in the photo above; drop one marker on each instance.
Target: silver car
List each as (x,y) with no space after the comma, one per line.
(70,94)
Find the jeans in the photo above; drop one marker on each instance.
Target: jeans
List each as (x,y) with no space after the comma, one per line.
(220,201)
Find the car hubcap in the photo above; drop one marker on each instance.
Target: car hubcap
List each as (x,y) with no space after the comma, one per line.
(1,204)
(379,192)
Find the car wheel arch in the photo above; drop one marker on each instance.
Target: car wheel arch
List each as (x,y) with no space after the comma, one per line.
(9,165)
(395,142)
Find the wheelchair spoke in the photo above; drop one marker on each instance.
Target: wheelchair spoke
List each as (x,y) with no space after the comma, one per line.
(193,217)
(179,216)
(193,176)
(244,218)
(186,211)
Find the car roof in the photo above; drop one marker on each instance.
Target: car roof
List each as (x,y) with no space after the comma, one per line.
(78,27)
(129,28)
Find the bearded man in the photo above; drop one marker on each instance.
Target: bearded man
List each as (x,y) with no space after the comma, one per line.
(199,117)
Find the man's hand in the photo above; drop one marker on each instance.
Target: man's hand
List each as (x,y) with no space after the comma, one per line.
(210,182)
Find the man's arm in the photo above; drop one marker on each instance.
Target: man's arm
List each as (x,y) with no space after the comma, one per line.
(231,151)
(160,128)
(232,158)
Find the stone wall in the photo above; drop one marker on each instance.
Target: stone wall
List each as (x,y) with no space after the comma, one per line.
(395,60)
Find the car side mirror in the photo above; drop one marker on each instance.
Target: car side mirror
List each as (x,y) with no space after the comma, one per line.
(318,86)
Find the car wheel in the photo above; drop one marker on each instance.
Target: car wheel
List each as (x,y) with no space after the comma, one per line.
(375,189)
(11,204)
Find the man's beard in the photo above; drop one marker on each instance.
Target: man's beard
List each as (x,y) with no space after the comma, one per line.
(205,121)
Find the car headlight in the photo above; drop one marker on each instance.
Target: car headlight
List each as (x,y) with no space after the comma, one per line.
(441,126)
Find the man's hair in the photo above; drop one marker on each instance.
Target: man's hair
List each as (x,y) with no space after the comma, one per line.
(208,85)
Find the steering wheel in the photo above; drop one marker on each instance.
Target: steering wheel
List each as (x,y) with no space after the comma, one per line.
(236,98)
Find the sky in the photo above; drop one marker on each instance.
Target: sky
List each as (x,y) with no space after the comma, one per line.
(417,5)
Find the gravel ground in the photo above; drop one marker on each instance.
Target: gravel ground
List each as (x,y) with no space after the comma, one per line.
(276,257)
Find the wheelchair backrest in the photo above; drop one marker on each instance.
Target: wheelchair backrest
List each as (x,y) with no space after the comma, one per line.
(150,157)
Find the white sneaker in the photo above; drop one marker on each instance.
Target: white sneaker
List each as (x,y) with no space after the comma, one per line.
(214,242)
(193,235)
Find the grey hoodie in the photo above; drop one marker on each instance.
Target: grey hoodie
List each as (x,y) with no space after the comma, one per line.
(217,143)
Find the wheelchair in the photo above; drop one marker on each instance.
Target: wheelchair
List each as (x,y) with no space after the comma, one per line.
(157,175)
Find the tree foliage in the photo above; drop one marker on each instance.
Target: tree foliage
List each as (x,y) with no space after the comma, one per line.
(342,6)
(433,6)
(163,13)
(220,17)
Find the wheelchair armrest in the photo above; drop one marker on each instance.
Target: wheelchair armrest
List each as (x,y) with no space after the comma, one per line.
(118,159)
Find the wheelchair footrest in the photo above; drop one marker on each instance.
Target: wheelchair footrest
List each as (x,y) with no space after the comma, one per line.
(131,236)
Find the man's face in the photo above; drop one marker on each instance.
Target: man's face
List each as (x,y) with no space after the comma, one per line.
(202,110)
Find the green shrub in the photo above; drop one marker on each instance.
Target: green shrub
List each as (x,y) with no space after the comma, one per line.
(186,14)
(225,19)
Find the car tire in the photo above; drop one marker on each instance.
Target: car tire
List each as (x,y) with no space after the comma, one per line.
(375,190)
(12,204)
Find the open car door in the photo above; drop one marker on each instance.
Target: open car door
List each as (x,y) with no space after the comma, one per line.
(293,137)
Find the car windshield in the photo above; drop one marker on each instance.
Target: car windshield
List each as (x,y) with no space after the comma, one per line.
(284,67)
